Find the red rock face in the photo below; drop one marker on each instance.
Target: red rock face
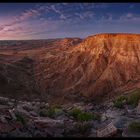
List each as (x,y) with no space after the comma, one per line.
(100,65)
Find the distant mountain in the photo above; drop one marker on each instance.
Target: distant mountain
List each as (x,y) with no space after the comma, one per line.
(98,67)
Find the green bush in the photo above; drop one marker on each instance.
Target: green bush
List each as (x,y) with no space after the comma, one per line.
(134,98)
(21,118)
(51,112)
(120,101)
(43,113)
(54,111)
(83,116)
(131,99)
(134,127)
(74,112)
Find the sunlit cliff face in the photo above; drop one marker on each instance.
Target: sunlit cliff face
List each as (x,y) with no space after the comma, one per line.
(59,20)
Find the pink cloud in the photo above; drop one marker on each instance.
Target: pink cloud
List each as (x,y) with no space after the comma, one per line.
(28,14)
(129,15)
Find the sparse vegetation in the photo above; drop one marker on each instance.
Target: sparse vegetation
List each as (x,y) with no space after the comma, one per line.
(53,110)
(83,127)
(120,101)
(131,99)
(134,127)
(83,116)
(21,118)
(134,98)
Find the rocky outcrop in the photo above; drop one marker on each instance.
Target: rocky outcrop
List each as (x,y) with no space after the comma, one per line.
(107,130)
(25,119)
(99,66)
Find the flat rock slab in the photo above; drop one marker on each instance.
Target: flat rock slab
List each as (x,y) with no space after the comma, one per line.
(46,122)
(107,130)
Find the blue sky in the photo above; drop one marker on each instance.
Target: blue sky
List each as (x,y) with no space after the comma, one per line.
(59,20)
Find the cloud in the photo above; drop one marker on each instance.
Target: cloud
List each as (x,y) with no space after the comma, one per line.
(132,6)
(64,11)
(54,9)
(26,15)
(62,17)
(130,17)
(19,25)
(61,14)
(79,15)
(48,18)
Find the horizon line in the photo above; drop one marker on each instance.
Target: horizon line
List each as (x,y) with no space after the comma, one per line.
(67,37)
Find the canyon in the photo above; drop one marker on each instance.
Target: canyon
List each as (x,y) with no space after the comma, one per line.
(71,87)
(95,68)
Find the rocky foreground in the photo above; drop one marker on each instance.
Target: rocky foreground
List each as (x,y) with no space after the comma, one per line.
(40,119)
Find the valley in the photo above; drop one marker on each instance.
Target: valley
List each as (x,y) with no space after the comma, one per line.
(90,84)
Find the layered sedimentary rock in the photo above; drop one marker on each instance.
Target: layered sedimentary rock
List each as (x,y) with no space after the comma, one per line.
(98,66)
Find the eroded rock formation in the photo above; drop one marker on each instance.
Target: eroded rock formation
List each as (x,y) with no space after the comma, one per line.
(98,66)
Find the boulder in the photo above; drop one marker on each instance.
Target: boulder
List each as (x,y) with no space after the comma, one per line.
(11,104)
(27,108)
(21,111)
(88,107)
(11,111)
(120,122)
(103,117)
(47,122)
(107,130)
(33,113)
(2,119)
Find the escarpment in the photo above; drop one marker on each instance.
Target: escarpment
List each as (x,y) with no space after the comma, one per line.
(98,66)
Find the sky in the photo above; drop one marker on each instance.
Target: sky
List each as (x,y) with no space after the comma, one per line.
(21,21)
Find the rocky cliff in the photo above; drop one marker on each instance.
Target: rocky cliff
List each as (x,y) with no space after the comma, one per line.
(99,66)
